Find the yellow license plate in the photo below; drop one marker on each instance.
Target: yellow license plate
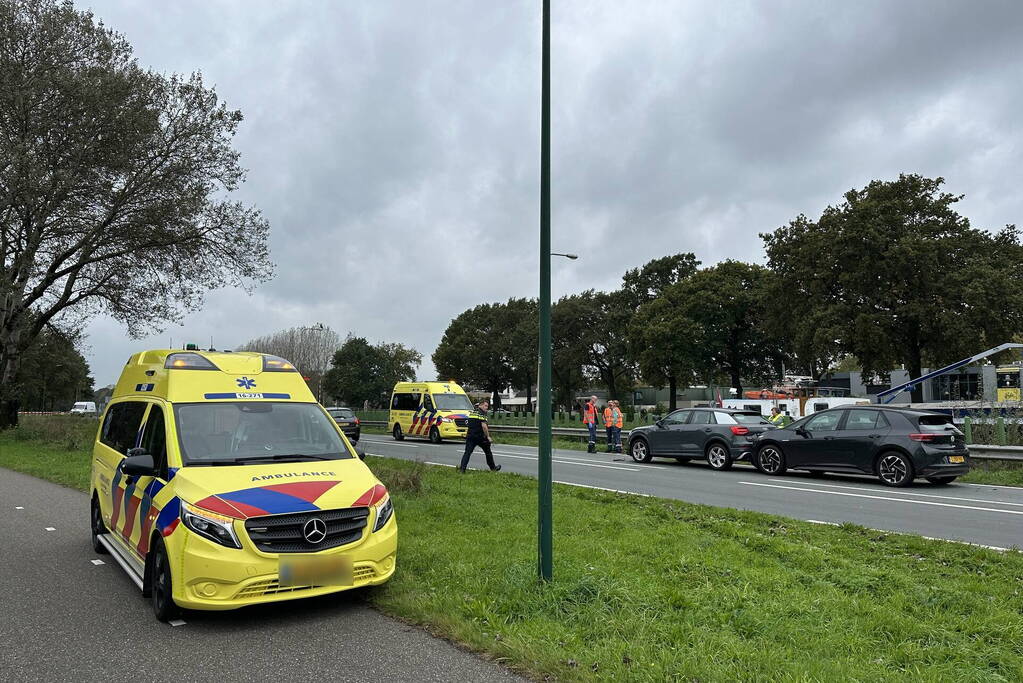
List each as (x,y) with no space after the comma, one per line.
(956,458)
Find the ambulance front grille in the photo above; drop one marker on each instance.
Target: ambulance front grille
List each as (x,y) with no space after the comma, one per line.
(272,587)
(284,533)
(461,422)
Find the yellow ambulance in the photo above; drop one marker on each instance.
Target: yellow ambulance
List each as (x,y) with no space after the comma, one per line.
(218,481)
(433,410)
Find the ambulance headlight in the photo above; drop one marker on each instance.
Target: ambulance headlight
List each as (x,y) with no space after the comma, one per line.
(384,509)
(210,525)
(446,419)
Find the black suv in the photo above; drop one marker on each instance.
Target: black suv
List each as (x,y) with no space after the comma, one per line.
(720,435)
(894,444)
(346,420)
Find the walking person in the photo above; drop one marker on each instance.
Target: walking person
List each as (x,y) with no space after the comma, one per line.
(478,434)
(590,420)
(618,422)
(609,426)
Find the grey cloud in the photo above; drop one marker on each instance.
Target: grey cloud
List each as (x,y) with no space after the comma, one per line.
(394,146)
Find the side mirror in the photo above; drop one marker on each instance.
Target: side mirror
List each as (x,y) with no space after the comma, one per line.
(802,432)
(361,453)
(138,464)
(660,424)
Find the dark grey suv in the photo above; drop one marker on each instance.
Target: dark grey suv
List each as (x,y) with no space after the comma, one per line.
(894,444)
(720,435)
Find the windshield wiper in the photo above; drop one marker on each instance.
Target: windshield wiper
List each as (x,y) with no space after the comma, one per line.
(212,462)
(283,456)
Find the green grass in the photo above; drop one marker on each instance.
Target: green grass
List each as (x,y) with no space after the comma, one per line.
(998,473)
(651,589)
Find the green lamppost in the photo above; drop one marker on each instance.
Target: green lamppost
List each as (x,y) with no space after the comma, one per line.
(545,561)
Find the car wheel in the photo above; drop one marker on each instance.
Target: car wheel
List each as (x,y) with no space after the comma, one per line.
(161,589)
(894,469)
(434,435)
(640,450)
(397,433)
(98,527)
(941,481)
(771,460)
(718,457)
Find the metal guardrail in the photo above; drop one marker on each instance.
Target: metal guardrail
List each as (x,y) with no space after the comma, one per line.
(977,451)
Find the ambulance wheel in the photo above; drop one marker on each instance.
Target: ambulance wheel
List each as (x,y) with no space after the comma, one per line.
(434,435)
(98,527)
(397,433)
(161,591)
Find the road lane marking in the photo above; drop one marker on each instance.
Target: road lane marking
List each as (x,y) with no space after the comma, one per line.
(601,488)
(176,622)
(441,464)
(50,528)
(569,462)
(402,445)
(97,562)
(990,486)
(818,521)
(18,507)
(897,500)
(906,493)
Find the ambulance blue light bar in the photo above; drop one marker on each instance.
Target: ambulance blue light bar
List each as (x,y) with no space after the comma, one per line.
(188,361)
(277,364)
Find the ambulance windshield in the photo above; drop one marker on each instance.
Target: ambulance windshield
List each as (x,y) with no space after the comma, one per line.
(245,432)
(452,402)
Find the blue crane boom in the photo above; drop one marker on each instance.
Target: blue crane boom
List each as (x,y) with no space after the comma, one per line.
(889,395)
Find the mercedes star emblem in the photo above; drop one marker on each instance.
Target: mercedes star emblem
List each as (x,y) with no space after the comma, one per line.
(314,530)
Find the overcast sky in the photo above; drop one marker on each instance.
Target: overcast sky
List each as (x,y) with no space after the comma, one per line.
(394,146)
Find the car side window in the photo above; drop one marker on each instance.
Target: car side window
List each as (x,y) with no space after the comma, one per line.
(405,402)
(427,402)
(154,439)
(861,419)
(701,417)
(121,425)
(679,417)
(824,422)
(724,419)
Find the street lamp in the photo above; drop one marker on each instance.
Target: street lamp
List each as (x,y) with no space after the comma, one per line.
(568,256)
(544,560)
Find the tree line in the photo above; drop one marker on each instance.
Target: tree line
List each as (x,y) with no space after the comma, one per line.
(891,275)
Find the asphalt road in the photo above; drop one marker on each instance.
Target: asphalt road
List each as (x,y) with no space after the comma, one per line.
(63,617)
(985,515)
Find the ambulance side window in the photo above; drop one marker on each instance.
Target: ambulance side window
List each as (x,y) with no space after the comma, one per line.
(121,426)
(405,402)
(154,440)
(427,402)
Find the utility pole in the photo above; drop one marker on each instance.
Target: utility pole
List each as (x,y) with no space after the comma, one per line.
(545,560)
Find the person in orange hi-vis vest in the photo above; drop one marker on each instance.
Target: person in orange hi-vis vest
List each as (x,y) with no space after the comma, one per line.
(590,420)
(609,426)
(616,418)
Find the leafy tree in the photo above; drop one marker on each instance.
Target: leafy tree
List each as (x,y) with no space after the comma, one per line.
(899,277)
(569,352)
(112,186)
(603,329)
(53,374)
(719,310)
(474,350)
(644,284)
(658,339)
(363,372)
(522,320)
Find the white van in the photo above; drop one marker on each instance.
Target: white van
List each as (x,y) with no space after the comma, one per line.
(83,408)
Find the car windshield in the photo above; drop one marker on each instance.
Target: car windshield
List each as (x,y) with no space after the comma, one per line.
(244,432)
(452,402)
(937,423)
(343,413)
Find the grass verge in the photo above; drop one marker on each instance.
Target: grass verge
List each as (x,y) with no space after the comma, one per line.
(650,589)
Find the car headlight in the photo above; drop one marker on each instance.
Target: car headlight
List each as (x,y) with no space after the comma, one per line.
(385,509)
(446,419)
(210,525)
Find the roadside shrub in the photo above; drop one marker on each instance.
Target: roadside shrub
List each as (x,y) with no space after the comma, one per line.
(406,480)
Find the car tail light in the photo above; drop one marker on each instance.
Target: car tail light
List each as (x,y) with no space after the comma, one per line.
(357,421)
(738,430)
(923,437)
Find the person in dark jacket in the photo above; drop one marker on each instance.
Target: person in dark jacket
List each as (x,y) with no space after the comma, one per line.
(478,434)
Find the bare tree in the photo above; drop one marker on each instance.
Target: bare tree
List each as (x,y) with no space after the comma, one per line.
(309,348)
(112,185)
